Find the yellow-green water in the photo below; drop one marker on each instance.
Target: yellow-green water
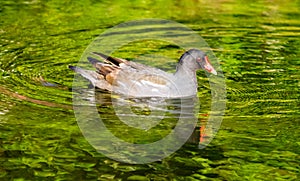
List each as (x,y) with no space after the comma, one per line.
(258,48)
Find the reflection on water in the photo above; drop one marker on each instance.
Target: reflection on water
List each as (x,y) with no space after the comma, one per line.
(145,113)
(257,44)
(135,130)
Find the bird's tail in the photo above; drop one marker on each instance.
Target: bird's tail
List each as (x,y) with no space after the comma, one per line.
(88,74)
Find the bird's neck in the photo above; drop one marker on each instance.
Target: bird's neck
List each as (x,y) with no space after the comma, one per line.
(184,73)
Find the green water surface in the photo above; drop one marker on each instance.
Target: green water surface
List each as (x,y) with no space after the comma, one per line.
(257,43)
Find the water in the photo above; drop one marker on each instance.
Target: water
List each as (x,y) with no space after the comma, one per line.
(258,48)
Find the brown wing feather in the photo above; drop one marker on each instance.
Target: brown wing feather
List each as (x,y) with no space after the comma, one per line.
(155,79)
(118,61)
(109,59)
(108,71)
(110,78)
(111,66)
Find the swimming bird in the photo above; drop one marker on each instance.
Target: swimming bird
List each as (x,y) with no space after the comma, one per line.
(133,79)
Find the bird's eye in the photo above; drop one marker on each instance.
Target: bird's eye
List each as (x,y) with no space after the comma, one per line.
(198,59)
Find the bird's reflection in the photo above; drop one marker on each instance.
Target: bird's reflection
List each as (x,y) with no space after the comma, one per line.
(145,120)
(150,113)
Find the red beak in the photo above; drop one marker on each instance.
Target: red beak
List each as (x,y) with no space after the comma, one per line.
(208,67)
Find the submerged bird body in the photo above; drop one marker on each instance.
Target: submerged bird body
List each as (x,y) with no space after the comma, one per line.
(137,80)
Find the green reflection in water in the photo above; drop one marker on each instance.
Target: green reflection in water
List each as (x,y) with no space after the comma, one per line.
(257,44)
